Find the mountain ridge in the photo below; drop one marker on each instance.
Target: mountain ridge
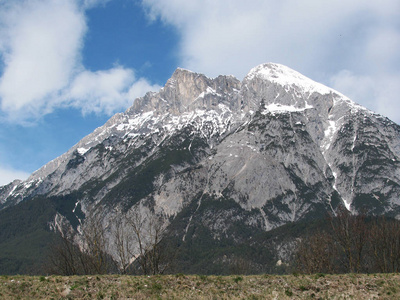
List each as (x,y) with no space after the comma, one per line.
(188,91)
(223,160)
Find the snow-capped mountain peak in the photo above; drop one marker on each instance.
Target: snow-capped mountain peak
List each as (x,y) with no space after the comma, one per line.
(287,77)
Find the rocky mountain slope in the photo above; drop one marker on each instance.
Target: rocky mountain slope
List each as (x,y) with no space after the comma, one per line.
(224,158)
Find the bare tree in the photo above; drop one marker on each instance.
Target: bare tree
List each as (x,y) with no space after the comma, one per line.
(124,244)
(316,253)
(353,244)
(138,241)
(386,245)
(95,243)
(351,234)
(148,230)
(64,257)
(239,266)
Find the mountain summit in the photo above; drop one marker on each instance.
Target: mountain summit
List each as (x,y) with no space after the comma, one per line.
(217,154)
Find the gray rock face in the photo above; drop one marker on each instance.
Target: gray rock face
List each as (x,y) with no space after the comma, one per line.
(186,91)
(274,148)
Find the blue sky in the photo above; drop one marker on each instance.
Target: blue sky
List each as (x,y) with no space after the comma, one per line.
(66,66)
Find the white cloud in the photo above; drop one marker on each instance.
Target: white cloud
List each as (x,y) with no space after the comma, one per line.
(101,90)
(40,46)
(140,88)
(318,38)
(42,49)
(106,91)
(8,175)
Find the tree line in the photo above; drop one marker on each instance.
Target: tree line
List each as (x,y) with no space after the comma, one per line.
(137,244)
(351,244)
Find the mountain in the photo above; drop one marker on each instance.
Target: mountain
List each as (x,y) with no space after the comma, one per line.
(222,161)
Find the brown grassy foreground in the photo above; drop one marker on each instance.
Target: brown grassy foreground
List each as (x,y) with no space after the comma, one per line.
(319,286)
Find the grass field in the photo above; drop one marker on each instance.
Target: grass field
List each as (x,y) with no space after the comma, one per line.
(318,286)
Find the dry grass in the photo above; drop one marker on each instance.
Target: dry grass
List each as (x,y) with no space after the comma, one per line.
(319,286)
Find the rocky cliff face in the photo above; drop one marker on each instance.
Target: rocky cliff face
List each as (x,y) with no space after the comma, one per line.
(219,153)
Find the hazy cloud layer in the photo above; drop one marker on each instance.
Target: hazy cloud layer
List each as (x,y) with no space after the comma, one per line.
(353,46)
(40,48)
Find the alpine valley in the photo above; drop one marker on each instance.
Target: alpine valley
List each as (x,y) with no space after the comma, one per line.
(236,170)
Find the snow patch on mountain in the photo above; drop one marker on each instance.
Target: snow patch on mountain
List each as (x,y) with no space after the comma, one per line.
(329,133)
(274,107)
(82,150)
(207,92)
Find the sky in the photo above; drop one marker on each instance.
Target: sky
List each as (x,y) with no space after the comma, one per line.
(66,66)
